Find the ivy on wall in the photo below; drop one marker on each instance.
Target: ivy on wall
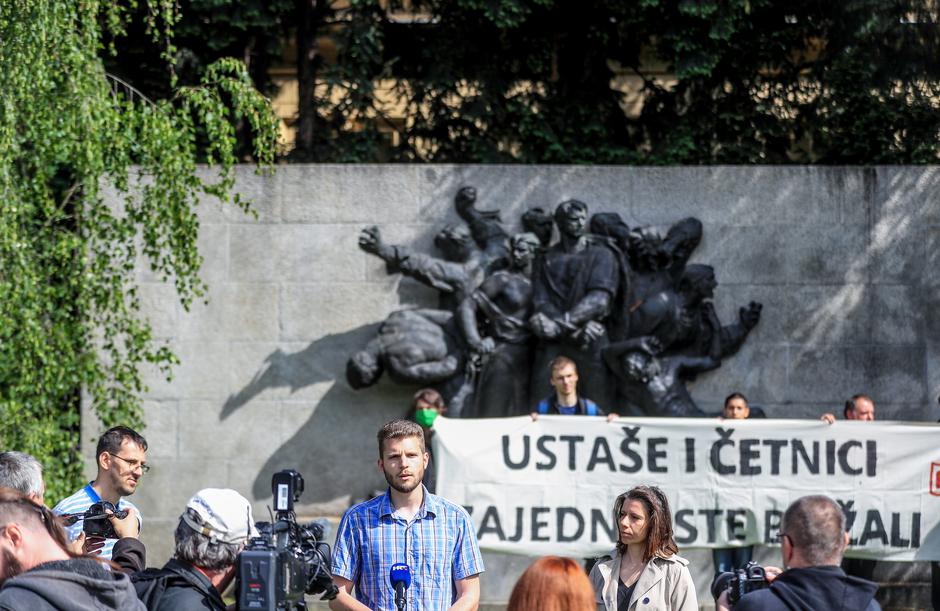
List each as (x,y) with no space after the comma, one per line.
(69,304)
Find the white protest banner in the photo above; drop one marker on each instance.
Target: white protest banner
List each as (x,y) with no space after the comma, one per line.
(548,486)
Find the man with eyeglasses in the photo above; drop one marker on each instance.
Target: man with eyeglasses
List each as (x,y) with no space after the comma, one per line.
(121,454)
(812,541)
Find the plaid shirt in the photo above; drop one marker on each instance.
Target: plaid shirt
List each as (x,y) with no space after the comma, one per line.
(439,546)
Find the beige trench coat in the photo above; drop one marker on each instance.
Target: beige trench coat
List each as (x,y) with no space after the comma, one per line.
(664,585)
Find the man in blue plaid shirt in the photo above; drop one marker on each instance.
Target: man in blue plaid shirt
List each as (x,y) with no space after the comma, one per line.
(408,525)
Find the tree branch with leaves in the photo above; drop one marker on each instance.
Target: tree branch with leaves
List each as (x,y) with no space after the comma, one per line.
(70,307)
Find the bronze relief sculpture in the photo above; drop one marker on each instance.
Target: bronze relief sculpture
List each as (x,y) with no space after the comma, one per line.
(623,303)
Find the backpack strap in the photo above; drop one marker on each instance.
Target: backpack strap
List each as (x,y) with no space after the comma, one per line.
(542,407)
(590,408)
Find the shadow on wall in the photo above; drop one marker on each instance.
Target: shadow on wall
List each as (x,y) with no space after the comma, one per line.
(323,360)
(333,447)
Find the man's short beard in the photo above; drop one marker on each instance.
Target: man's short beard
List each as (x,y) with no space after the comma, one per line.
(125,492)
(11,566)
(121,487)
(403,489)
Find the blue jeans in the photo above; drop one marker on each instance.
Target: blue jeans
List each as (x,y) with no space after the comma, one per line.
(731,558)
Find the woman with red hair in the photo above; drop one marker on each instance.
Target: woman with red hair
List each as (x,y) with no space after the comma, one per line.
(644,571)
(552,584)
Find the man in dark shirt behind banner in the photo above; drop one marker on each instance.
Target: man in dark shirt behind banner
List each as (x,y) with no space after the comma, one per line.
(858,407)
(432,536)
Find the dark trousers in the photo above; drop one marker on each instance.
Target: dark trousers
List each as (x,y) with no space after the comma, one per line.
(731,558)
(859,567)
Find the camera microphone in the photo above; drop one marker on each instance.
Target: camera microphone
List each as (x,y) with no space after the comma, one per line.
(400,576)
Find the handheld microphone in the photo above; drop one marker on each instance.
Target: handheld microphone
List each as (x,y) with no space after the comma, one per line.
(400,576)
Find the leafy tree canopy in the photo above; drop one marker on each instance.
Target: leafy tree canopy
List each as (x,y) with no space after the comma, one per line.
(740,81)
(69,305)
(539,81)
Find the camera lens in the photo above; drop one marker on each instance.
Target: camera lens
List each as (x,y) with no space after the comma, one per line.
(721,583)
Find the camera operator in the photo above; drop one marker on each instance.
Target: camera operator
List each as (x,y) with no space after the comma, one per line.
(211,532)
(813,539)
(39,574)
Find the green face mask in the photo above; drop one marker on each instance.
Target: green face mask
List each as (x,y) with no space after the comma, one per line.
(425,417)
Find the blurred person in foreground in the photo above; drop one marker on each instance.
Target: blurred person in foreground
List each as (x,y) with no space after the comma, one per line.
(552,584)
(644,571)
(38,572)
(812,541)
(212,530)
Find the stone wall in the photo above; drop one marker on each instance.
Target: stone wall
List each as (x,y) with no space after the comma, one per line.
(845,261)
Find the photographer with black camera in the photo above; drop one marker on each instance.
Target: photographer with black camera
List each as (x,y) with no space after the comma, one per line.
(813,539)
(121,455)
(215,526)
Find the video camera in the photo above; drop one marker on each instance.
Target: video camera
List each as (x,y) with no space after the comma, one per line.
(286,560)
(740,582)
(97,523)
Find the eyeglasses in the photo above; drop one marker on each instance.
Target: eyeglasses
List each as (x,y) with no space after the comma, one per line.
(780,536)
(133,464)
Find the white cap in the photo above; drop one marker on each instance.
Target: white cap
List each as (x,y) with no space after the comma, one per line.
(221,514)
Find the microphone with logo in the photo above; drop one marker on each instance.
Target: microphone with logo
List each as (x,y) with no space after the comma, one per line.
(400,576)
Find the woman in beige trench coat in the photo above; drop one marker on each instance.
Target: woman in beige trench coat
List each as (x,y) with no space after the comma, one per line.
(644,571)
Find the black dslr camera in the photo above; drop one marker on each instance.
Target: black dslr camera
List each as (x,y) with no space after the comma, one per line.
(286,560)
(740,582)
(96,521)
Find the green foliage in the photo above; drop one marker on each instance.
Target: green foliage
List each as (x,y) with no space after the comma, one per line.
(69,305)
(741,81)
(204,31)
(540,81)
